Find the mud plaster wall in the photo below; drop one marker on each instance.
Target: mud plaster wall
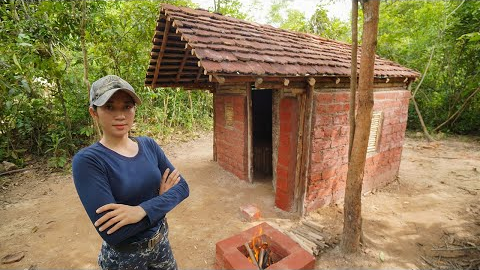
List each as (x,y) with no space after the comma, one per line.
(275,132)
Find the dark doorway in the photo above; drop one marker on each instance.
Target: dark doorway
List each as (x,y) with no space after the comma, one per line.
(262,134)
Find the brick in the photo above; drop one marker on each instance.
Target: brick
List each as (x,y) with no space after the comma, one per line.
(324,98)
(283,201)
(342,97)
(299,260)
(327,173)
(250,212)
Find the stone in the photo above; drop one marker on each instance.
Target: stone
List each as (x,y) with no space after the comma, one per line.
(8,166)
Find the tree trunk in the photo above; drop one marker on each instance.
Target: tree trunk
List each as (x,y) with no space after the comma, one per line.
(67,121)
(352,223)
(353,76)
(84,47)
(459,111)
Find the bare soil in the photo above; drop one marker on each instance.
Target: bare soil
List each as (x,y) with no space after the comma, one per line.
(433,204)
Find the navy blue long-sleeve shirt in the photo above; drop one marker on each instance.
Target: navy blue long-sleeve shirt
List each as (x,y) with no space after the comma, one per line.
(103,176)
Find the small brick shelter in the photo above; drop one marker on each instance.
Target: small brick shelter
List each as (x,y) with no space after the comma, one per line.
(281,102)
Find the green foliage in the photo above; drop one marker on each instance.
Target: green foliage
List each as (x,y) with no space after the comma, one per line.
(43,97)
(409,31)
(319,23)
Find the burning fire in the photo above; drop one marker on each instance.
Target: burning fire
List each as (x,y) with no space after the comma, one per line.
(259,252)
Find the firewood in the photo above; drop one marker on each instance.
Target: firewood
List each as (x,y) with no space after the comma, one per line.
(252,256)
(313,226)
(260,258)
(317,239)
(308,246)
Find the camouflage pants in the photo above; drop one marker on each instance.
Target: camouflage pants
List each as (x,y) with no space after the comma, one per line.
(158,257)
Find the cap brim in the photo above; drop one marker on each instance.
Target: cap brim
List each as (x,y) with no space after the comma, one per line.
(107,95)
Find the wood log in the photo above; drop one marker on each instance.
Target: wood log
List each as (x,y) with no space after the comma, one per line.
(265,259)
(310,237)
(315,248)
(314,226)
(252,256)
(260,258)
(258,81)
(304,243)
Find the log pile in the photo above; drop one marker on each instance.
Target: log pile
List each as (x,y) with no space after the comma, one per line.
(309,236)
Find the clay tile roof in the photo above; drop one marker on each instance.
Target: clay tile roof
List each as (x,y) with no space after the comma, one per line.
(199,43)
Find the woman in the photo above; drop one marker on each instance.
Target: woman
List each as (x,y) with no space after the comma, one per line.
(126,185)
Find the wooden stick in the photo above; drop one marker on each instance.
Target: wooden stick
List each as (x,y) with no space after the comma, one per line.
(252,257)
(313,226)
(260,258)
(310,233)
(15,171)
(304,243)
(265,259)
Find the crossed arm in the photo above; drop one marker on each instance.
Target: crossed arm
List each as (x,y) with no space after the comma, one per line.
(120,215)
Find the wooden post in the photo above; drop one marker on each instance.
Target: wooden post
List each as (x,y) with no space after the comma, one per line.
(306,145)
(249,134)
(214,126)
(297,196)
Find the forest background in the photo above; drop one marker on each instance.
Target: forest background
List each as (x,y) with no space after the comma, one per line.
(51,51)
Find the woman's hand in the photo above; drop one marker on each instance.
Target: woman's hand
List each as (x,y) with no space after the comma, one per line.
(168,181)
(120,215)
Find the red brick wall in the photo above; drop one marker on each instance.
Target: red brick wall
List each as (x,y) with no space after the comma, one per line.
(287,153)
(231,142)
(329,149)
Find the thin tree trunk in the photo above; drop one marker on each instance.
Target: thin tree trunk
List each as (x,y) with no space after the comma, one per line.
(191,109)
(422,123)
(65,115)
(84,47)
(353,76)
(417,109)
(352,224)
(464,105)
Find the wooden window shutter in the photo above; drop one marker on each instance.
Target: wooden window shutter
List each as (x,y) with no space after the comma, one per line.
(375,131)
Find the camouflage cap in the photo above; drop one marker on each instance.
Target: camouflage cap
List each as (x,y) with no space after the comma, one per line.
(104,88)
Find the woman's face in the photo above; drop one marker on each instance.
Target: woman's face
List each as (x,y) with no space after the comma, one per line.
(117,115)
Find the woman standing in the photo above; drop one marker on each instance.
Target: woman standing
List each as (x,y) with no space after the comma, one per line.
(126,185)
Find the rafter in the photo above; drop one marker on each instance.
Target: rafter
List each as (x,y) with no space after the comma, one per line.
(180,69)
(162,51)
(198,74)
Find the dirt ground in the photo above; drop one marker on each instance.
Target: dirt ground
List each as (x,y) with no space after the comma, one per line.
(434,203)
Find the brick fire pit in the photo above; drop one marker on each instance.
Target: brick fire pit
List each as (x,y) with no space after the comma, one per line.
(231,253)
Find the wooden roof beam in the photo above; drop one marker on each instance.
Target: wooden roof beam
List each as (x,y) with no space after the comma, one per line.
(258,81)
(162,51)
(180,69)
(198,74)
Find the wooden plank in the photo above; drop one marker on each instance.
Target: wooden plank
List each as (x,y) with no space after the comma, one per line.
(249,133)
(298,183)
(162,51)
(170,79)
(180,69)
(305,158)
(175,67)
(190,86)
(173,72)
(214,128)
